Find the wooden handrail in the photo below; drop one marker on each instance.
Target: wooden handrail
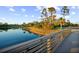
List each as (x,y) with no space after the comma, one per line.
(47,43)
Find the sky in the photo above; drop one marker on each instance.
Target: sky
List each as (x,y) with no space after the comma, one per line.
(21,14)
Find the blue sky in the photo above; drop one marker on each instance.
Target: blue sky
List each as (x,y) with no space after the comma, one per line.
(20,14)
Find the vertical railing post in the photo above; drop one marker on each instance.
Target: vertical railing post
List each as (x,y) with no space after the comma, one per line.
(49,44)
(60,36)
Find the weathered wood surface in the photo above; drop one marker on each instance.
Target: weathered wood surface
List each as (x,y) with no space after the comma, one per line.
(70,44)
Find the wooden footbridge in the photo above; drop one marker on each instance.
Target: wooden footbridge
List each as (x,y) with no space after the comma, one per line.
(65,41)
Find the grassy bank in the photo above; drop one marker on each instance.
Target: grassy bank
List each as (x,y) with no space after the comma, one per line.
(41,31)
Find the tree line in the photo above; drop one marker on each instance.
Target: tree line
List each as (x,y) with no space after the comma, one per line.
(49,21)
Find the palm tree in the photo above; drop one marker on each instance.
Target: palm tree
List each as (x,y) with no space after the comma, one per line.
(52,11)
(61,22)
(65,11)
(44,13)
(68,22)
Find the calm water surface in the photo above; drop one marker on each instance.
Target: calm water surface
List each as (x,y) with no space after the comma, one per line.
(15,36)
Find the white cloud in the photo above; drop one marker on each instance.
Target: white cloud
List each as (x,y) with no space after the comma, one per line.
(26,15)
(33,16)
(40,10)
(73,7)
(12,10)
(58,16)
(2,19)
(57,8)
(16,14)
(73,13)
(67,17)
(39,17)
(38,7)
(78,7)
(23,10)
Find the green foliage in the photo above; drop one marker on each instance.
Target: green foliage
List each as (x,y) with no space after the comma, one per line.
(44,13)
(52,10)
(74,24)
(65,11)
(51,27)
(55,24)
(61,18)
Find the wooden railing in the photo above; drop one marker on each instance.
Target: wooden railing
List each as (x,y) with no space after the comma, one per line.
(75,29)
(45,44)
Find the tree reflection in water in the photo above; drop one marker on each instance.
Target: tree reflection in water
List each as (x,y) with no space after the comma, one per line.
(4,29)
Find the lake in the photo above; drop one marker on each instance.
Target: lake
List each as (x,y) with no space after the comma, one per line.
(15,36)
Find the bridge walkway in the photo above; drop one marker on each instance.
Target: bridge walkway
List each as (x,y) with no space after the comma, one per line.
(65,41)
(70,44)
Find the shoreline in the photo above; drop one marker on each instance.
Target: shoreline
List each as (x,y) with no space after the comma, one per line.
(41,32)
(35,33)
